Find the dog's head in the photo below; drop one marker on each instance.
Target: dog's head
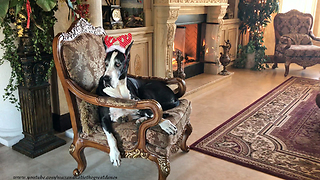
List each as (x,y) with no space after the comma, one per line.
(117,59)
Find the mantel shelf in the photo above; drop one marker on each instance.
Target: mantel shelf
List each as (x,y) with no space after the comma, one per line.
(231,21)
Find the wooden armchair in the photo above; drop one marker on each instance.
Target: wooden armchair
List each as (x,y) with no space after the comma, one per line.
(294,40)
(79,59)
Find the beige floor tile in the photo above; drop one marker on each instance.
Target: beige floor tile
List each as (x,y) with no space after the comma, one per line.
(211,106)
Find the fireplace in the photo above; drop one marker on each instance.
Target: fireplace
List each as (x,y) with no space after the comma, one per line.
(167,17)
(190,41)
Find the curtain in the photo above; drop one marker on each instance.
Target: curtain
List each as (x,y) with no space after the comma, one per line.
(307,6)
(316,26)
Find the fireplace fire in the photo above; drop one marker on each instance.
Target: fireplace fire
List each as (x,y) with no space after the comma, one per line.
(189,40)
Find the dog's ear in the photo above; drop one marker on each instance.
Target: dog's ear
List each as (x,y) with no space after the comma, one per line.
(128,49)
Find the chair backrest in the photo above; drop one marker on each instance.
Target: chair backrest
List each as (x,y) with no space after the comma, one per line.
(292,22)
(79,55)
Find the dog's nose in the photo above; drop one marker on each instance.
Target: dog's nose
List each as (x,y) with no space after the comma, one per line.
(107,81)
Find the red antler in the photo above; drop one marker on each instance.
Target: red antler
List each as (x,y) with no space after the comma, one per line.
(124,40)
(109,40)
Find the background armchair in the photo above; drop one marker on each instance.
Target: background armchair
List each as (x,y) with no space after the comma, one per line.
(294,40)
(79,59)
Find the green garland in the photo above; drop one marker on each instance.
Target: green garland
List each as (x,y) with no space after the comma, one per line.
(41,23)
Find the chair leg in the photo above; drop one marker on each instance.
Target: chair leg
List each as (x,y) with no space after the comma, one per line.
(163,168)
(275,65)
(186,135)
(275,62)
(287,69)
(77,152)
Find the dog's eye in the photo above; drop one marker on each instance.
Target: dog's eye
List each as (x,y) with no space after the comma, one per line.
(107,63)
(117,64)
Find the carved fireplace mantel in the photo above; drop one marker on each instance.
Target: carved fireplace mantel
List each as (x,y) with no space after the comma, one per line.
(165,14)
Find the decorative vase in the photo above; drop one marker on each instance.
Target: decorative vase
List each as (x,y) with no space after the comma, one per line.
(224,58)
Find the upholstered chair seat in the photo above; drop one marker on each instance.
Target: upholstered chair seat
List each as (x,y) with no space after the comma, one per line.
(157,140)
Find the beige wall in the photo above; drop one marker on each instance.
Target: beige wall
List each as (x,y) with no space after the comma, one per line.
(269,38)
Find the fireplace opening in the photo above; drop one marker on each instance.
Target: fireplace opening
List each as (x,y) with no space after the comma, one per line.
(190,42)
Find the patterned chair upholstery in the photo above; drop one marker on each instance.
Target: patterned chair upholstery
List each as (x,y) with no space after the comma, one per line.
(79,59)
(294,40)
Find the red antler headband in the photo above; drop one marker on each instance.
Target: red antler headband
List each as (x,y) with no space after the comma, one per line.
(123,40)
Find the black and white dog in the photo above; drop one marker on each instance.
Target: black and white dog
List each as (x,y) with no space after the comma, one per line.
(115,83)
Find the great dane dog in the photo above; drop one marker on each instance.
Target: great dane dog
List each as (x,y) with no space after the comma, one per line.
(115,83)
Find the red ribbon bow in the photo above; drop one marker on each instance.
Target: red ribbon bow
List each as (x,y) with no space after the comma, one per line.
(28,8)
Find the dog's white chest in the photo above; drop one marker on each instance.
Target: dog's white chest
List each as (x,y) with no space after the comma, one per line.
(121,91)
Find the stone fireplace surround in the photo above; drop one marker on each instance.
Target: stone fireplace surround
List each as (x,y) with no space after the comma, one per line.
(165,15)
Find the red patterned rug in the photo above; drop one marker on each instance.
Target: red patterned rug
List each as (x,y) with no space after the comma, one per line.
(278,134)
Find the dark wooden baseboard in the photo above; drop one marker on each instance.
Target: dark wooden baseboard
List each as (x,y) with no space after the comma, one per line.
(61,123)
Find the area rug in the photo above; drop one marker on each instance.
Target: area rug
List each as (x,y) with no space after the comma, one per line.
(278,134)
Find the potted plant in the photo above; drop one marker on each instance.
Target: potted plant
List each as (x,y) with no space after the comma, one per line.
(30,23)
(251,56)
(246,56)
(254,16)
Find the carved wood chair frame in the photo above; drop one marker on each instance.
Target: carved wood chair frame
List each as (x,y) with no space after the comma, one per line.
(73,91)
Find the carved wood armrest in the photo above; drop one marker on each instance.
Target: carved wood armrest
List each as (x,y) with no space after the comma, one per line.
(314,37)
(179,91)
(104,101)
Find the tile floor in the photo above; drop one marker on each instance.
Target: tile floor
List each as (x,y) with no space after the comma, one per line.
(212,105)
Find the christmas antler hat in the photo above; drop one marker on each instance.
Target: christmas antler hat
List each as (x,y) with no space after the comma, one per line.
(119,43)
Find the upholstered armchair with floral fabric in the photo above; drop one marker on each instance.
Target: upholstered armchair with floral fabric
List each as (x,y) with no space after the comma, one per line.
(79,59)
(294,40)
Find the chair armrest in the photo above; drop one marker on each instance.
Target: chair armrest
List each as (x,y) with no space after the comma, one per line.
(286,40)
(105,101)
(314,37)
(99,100)
(288,44)
(179,91)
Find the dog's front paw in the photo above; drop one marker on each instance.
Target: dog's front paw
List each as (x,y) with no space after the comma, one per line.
(168,127)
(115,157)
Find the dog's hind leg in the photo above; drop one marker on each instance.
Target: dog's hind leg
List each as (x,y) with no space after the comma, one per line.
(114,152)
